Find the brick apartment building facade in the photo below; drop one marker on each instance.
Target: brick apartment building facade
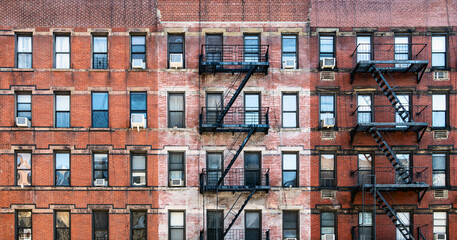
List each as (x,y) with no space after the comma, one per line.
(151,119)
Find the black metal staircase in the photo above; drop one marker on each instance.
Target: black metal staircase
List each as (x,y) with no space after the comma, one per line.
(391,213)
(238,213)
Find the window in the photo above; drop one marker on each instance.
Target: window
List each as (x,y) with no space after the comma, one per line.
(23,169)
(214,165)
(290,224)
(62,110)
(24,225)
(177,229)
(175,48)
(289,51)
(100,225)
(251,48)
(62,52)
(405,102)
(100,168)
(364,112)
(439,110)
(289,110)
(176,110)
(439,169)
(439,51)
(404,160)
(62,225)
(328,163)
(176,169)
(327,107)
(365,170)
(252,108)
(252,169)
(328,223)
(214,48)
(138,170)
(99,52)
(62,172)
(24,105)
(215,221)
(100,117)
(326,47)
(363,48)
(138,51)
(365,225)
(214,105)
(24,51)
(402,50)
(405,219)
(253,223)
(139,226)
(439,222)
(289,169)
(138,105)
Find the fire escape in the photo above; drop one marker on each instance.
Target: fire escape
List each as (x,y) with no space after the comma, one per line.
(242,61)
(381,61)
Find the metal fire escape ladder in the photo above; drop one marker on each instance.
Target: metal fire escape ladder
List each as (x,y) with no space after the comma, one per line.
(238,152)
(390,94)
(221,116)
(392,215)
(390,154)
(238,213)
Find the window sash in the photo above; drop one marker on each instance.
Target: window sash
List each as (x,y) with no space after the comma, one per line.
(290,224)
(326,46)
(24,231)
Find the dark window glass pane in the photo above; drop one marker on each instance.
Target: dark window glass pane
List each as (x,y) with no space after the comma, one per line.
(101,220)
(138,49)
(100,61)
(139,56)
(99,101)
(62,119)
(100,174)
(100,119)
(24,219)
(25,114)
(177,119)
(439,161)
(176,48)
(139,234)
(63,234)
(24,107)
(328,219)
(290,219)
(289,179)
(289,44)
(176,161)
(138,101)
(63,178)
(252,160)
(176,39)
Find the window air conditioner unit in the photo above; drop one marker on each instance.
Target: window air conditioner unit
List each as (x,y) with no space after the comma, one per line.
(328,122)
(328,63)
(328,237)
(290,238)
(176,61)
(23,122)
(176,182)
(439,236)
(137,120)
(137,63)
(100,182)
(289,64)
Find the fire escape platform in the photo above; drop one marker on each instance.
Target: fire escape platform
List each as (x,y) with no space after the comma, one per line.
(397,187)
(234,127)
(236,119)
(392,127)
(400,66)
(236,188)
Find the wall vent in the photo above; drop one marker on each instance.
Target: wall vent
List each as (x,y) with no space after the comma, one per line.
(440,134)
(441,193)
(328,135)
(440,75)
(327,76)
(330,194)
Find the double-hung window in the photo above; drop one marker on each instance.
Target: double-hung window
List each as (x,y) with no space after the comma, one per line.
(62,110)
(176,110)
(62,51)
(176,169)
(100,110)
(289,51)
(365,225)
(138,52)
(24,225)
(289,169)
(138,225)
(439,51)
(214,164)
(252,108)
(253,225)
(290,224)
(439,169)
(100,225)
(176,225)
(175,50)
(327,109)
(327,173)
(138,105)
(62,172)
(23,169)
(289,110)
(24,51)
(215,220)
(327,223)
(326,46)
(100,169)
(138,170)
(363,48)
(439,110)
(99,52)
(62,225)
(24,105)
(364,111)
(402,50)
(251,48)
(439,222)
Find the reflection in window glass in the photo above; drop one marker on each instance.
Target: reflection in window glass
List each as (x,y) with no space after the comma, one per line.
(24,225)
(177,226)
(24,169)
(100,223)
(62,225)
(100,110)
(139,225)
(62,169)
